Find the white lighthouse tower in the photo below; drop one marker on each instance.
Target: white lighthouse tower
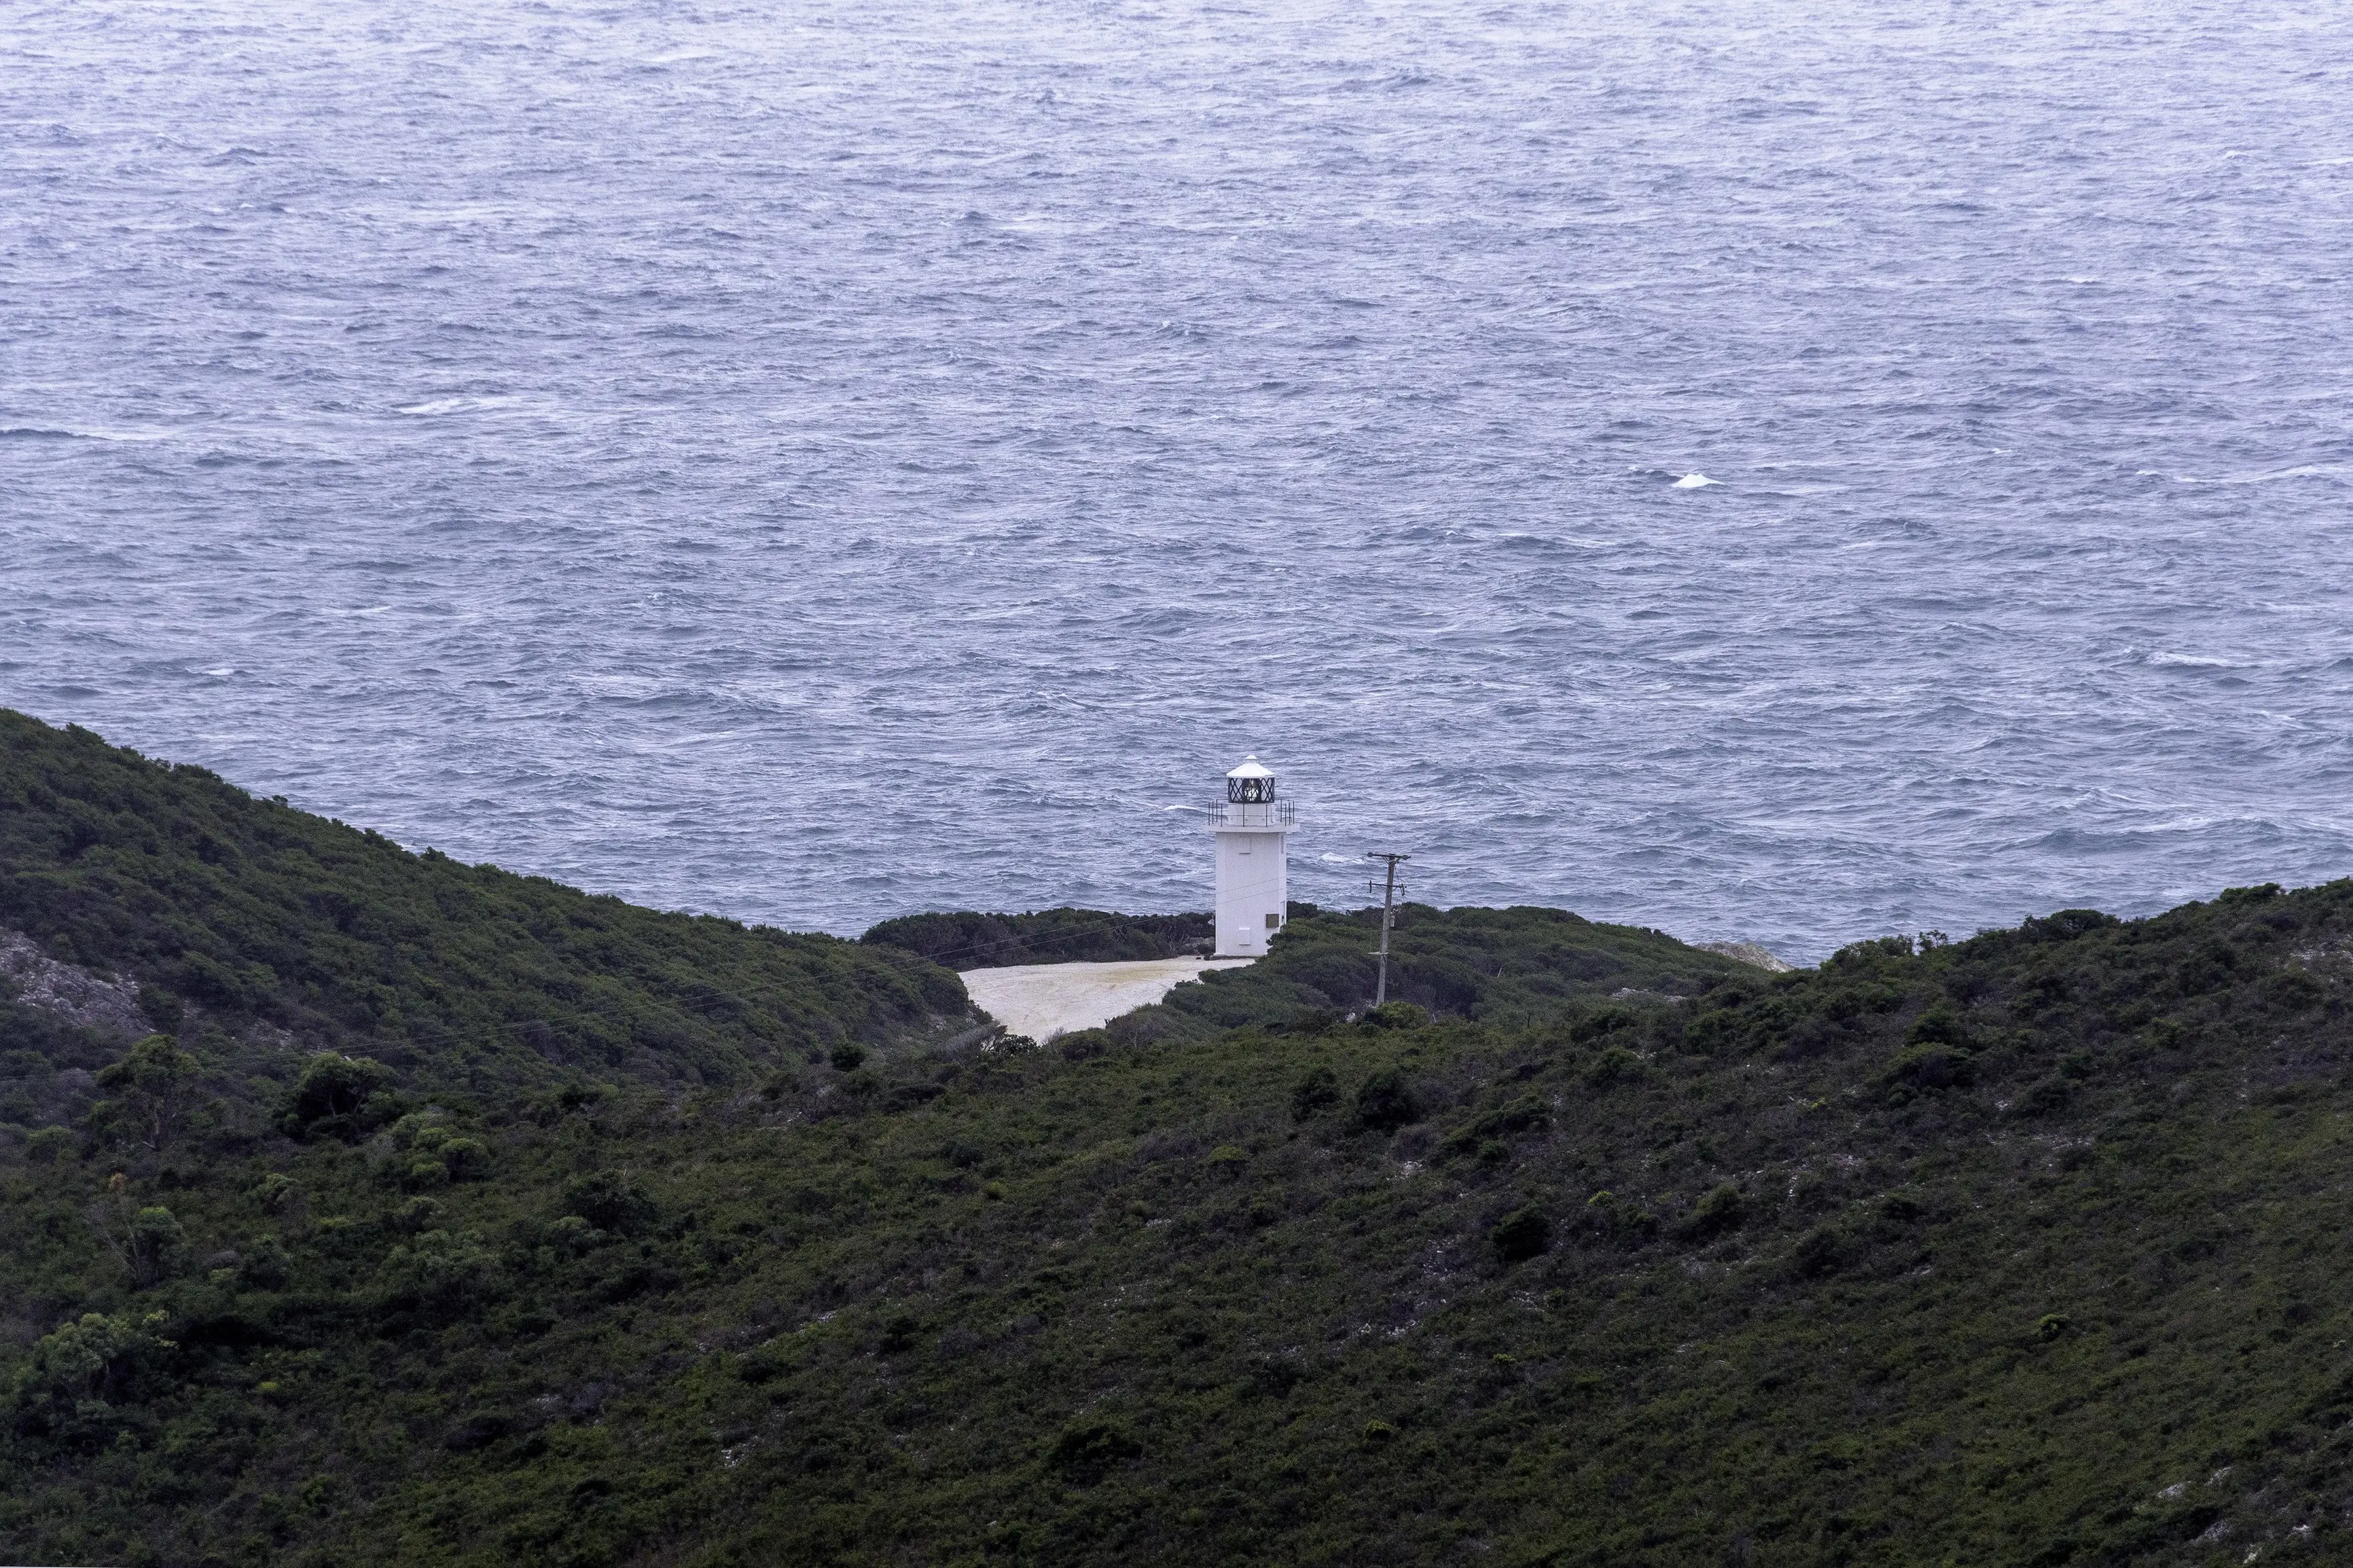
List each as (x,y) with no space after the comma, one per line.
(1253,830)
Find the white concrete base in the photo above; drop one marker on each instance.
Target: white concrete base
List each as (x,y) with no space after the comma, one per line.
(1042,1000)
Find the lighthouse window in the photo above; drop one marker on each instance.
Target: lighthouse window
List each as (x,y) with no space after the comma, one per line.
(1273,922)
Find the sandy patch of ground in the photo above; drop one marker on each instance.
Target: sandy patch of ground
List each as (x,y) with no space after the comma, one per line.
(1042,1000)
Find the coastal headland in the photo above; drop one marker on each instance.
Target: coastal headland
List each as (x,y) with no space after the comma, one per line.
(357,1205)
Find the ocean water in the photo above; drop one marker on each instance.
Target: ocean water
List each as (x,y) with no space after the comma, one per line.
(1755,468)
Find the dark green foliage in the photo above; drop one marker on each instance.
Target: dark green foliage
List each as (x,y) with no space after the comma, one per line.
(87,1382)
(1522,1233)
(332,1097)
(1524,1114)
(1385,1099)
(1718,1214)
(608,1200)
(1514,967)
(1085,1453)
(146,1091)
(241,910)
(1939,1025)
(968,940)
(1316,1090)
(1930,1066)
(1612,1068)
(999,1307)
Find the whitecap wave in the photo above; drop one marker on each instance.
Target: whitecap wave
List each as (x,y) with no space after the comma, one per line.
(1695,482)
(59,433)
(457,406)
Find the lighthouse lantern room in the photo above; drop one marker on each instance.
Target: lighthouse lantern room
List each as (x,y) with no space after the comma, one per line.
(1252,831)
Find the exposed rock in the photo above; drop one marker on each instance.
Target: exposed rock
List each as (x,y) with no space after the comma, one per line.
(1747,952)
(74,993)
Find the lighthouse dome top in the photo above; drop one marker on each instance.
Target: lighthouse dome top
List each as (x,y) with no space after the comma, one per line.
(1249,783)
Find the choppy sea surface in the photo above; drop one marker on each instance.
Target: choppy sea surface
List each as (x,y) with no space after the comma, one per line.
(1760,470)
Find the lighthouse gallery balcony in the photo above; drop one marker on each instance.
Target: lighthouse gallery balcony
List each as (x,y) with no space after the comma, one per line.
(1267,816)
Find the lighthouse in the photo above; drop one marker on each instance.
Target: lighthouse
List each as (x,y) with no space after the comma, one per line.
(1252,831)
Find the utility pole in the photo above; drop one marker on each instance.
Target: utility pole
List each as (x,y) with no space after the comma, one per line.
(1388,886)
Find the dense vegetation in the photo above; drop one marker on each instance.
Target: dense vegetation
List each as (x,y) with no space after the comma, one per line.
(2022,1249)
(1502,966)
(969,939)
(1511,966)
(248,912)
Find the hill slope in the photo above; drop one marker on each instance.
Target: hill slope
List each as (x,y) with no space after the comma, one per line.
(1512,965)
(252,912)
(2025,1249)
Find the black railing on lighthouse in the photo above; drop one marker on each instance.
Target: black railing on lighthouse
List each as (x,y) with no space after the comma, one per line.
(1271,814)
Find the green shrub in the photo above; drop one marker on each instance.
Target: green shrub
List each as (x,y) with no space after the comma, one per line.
(1524,1114)
(1924,1069)
(1940,1024)
(1614,1067)
(848,1056)
(1385,1101)
(1317,1089)
(437,1270)
(148,1090)
(1085,1045)
(1603,1021)
(1711,1032)
(1085,1452)
(275,1192)
(1720,1213)
(2044,1097)
(333,1096)
(2293,990)
(264,1264)
(1521,1235)
(609,1200)
(78,1381)
(145,1239)
(1818,1252)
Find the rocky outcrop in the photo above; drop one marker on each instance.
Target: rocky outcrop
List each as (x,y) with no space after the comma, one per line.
(1747,952)
(94,1000)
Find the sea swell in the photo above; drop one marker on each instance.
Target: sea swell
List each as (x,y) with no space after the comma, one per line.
(1726,469)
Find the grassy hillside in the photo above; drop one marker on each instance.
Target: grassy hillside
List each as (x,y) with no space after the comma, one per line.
(250,912)
(2025,1249)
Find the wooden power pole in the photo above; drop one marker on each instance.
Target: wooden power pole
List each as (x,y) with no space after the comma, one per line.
(1388,886)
